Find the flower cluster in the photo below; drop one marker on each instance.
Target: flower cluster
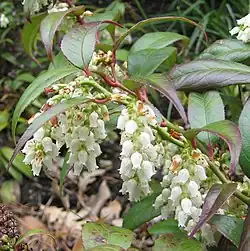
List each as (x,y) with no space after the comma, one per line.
(141,153)
(183,192)
(35,6)
(4,21)
(80,128)
(243,29)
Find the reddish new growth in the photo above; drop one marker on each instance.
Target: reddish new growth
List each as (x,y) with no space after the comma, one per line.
(175,135)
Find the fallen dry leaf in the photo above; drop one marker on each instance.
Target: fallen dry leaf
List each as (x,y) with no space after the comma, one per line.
(78,245)
(102,196)
(111,211)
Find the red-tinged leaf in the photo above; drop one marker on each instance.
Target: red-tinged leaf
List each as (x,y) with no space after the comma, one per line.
(43,118)
(161,83)
(78,44)
(49,26)
(29,34)
(209,74)
(227,131)
(244,122)
(245,236)
(216,197)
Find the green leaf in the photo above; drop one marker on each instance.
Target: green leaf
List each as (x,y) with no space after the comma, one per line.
(59,62)
(229,226)
(49,26)
(145,62)
(227,131)
(161,83)
(29,34)
(203,109)
(18,162)
(215,199)
(78,44)
(141,212)
(35,89)
(4,119)
(244,121)
(10,192)
(154,20)
(209,74)
(245,236)
(43,118)
(227,49)
(64,171)
(97,234)
(157,40)
(176,242)
(165,227)
(106,248)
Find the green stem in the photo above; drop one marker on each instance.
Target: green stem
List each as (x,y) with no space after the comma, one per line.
(223,179)
(166,136)
(97,86)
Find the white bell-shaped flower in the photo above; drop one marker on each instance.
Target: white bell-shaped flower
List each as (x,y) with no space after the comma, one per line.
(93,117)
(47,144)
(186,205)
(131,127)
(127,148)
(39,134)
(144,139)
(175,194)
(200,172)
(193,188)
(183,176)
(82,157)
(196,213)
(136,159)
(182,218)
(122,119)
(126,168)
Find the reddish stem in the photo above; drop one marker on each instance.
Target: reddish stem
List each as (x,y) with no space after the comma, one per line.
(101,101)
(142,94)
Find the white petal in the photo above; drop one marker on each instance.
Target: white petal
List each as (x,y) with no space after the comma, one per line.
(145,188)
(75,145)
(91,163)
(29,146)
(93,119)
(186,205)
(101,129)
(234,31)
(197,200)
(200,172)
(196,213)
(29,157)
(123,118)
(133,190)
(183,176)
(148,130)
(83,133)
(193,188)
(175,194)
(78,168)
(90,142)
(82,157)
(136,159)
(130,127)
(127,148)
(47,144)
(159,202)
(73,157)
(165,194)
(126,168)
(144,139)
(48,162)
(182,218)
(38,135)
(151,152)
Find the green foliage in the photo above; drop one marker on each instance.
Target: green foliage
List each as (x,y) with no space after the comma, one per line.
(104,236)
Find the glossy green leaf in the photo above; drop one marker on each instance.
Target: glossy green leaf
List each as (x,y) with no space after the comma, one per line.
(154,20)
(4,119)
(78,44)
(18,162)
(141,212)
(227,49)
(162,84)
(176,242)
(215,199)
(96,234)
(245,236)
(209,74)
(229,226)
(145,62)
(157,40)
(43,118)
(203,109)
(49,26)
(227,131)
(35,89)
(60,62)
(165,227)
(244,124)
(29,34)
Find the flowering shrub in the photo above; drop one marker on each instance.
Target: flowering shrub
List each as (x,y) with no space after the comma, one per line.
(200,182)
